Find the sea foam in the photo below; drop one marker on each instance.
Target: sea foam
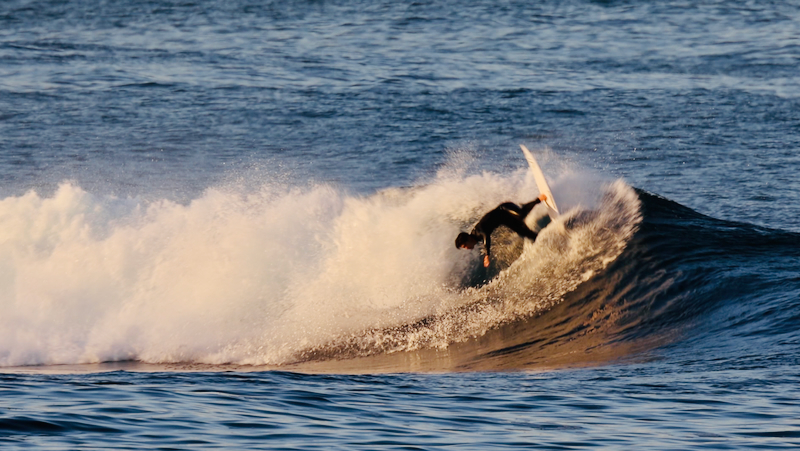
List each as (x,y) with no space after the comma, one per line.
(253,276)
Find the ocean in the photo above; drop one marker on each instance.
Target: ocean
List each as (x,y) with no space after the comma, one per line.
(230,225)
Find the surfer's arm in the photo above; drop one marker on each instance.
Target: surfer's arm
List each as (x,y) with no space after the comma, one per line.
(487,245)
(529,206)
(483,231)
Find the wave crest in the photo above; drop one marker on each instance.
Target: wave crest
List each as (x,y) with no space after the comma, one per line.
(279,275)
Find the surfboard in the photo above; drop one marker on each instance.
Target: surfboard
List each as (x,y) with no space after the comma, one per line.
(541,182)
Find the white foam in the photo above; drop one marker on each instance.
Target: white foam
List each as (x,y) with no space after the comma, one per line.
(254,277)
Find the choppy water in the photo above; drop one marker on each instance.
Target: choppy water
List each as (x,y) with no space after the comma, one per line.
(654,406)
(230,225)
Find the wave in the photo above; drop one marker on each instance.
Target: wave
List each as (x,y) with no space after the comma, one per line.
(679,276)
(567,253)
(316,278)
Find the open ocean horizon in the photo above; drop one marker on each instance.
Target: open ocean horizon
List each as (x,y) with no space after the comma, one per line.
(230,225)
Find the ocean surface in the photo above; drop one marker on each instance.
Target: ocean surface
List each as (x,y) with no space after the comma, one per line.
(230,225)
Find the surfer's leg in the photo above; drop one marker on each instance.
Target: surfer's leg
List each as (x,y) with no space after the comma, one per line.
(526,208)
(522,230)
(510,206)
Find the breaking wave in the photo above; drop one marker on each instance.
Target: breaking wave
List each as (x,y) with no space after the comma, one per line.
(315,278)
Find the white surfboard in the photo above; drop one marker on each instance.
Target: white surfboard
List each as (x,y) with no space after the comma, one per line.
(541,183)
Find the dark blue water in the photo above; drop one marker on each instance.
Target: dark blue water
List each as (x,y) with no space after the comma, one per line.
(229,225)
(652,406)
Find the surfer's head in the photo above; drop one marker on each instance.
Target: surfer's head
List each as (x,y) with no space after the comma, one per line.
(465,241)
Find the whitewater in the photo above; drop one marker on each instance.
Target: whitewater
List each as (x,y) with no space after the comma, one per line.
(280,271)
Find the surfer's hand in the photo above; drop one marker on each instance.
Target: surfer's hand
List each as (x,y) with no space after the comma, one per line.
(486,261)
(543,197)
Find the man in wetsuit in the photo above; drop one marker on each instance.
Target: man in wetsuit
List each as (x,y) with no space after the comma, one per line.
(507,214)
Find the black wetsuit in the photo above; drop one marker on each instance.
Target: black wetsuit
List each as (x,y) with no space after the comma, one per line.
(507,214)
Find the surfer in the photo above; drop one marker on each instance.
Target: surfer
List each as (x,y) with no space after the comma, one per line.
(506,214)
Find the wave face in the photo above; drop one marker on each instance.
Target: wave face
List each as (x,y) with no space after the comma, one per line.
(655,273)
(319,279)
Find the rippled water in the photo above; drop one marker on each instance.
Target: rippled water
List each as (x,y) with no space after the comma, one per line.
(196,201)
(655,406)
